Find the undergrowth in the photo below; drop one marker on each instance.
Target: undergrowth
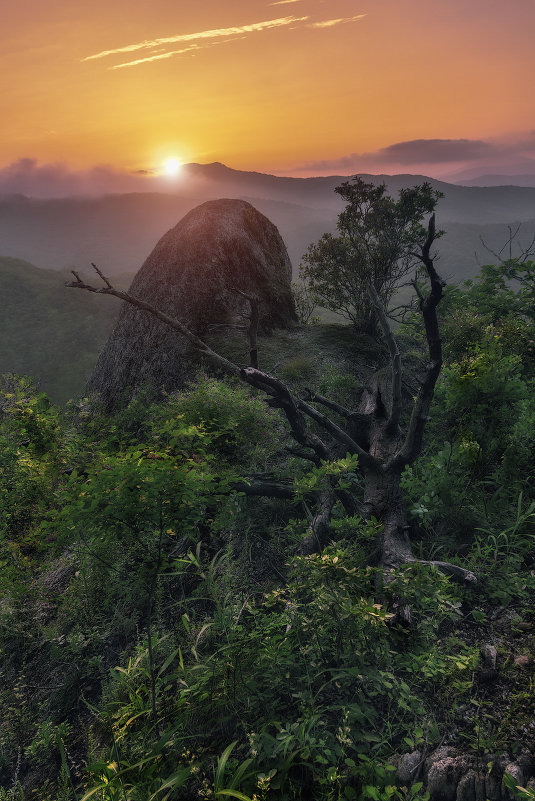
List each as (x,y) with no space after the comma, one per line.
(160,639)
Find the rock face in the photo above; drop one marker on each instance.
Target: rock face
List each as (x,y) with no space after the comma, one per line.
(464,777)
(192,274)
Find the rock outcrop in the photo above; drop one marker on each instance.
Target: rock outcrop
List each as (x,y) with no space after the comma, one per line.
(449,776)
(193,274)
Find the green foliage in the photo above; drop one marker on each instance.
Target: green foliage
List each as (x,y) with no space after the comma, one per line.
(317,653)
(48,738)
(505,289)
(376,240)
(123,514)
(238,425)
(48,331)
(340,471)
(473,489)
(297,368)
(30,459)
(502,555)
(518,792)
(158,629)
(485,736)
(160,487)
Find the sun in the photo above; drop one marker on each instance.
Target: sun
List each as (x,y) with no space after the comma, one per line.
(172,166)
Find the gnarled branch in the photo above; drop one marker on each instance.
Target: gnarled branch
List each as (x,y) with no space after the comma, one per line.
(265,489)
(172,322)
(395,357)
(282,398)
(420,413)
(339,434)
(329,404)
(459,574)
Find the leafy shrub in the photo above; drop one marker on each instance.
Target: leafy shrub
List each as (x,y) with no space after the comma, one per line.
(338,682)
(29,439)
(238,425)
(298,368)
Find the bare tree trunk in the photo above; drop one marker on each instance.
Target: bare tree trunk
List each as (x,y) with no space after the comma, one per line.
(318,533)
(383,500)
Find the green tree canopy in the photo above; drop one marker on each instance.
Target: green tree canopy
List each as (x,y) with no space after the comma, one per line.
(376,244)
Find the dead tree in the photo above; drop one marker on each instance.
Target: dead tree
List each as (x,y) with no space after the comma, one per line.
(371,430)
(524,253)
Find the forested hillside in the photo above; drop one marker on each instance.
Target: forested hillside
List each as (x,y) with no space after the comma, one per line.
(48,334)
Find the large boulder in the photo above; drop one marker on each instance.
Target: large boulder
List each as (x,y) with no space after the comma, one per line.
(193,274)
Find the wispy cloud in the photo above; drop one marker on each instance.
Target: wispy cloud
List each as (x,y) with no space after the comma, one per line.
(284,2)
(214,33)
(157,57)
(330,23)
(159,46)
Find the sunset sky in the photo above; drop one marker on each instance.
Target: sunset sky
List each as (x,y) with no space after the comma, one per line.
(296,87)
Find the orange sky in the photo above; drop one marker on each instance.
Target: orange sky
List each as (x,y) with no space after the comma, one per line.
(299,86)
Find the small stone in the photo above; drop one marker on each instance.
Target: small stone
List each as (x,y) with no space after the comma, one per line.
(443,777)
(440,753)
(407,767)
(522,661)
(466,789)
(488,657)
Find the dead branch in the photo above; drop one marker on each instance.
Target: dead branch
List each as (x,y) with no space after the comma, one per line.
(339,434)
(395,357)
(266,489)
(303,454)
(282,398)
(94,266)
(334,407)
(412,446)
(524,254)
(200,346)
(459,574)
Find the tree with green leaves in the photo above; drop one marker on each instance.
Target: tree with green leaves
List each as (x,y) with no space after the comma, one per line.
(371,432)
(377,244)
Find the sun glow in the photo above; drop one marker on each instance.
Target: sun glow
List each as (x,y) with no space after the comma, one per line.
(172,166)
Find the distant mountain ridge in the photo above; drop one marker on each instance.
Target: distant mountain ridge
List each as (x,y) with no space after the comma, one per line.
(118,231)
(319,191)
(498,180)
